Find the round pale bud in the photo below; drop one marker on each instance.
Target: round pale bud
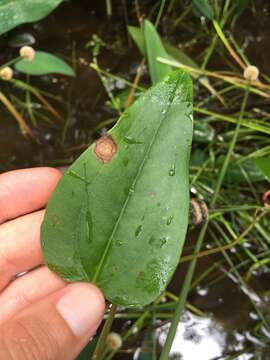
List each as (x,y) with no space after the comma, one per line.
(251,73)
(27,52)
(6,73)
(114,341)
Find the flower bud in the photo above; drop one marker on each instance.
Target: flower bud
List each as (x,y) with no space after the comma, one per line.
(6,73)
(114,341)
(27,52)
(251,73)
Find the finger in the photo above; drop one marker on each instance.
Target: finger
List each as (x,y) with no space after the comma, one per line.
(23,191)
(58,327)
(20,248)
(27,290)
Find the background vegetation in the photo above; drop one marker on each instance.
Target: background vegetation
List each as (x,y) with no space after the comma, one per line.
(56,116)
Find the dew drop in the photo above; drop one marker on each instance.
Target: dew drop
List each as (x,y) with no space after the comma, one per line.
(119,243)
(169,220)
(172,170)
(125,161)
(152,240)
(138,230)
(131,140)
(163,241)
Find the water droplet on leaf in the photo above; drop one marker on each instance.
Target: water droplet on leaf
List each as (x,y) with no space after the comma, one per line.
(119,243)
(132,141)
(138,230)
(163,241)
(172,170)
(152,240)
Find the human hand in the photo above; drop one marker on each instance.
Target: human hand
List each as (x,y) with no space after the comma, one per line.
(41,316)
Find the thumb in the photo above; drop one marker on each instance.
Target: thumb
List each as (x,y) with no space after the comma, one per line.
(56,328)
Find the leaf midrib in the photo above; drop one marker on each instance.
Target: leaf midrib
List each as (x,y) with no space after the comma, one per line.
(109,243)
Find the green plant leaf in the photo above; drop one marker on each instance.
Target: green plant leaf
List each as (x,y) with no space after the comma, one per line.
(240,173)
(203,132)
(263,165)
(203,8)
(170,52)
(121,224)
(43,64)
(154,48)
(14,13)
(88,351)
(137,35)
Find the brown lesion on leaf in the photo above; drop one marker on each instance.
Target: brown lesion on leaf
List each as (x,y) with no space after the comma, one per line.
(105,149)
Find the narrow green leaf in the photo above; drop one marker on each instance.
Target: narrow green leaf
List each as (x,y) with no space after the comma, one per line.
(203,8)
(154,49)
(121,222)
(14,13)
(171,53)
(264,165)
(43,64)
(239,173)
(137,35)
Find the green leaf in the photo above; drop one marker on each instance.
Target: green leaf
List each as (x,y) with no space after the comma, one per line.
(154,49)
(171,53)
(137,35)
(43,64)
(240,172)
(203,8)
(14,13)
(263,165)
(121,224)
(88,350)
(203,133)
(21,39)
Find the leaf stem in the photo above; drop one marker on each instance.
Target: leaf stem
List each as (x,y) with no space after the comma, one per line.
(160,13)
(11,62)
(188,279)
(101,344)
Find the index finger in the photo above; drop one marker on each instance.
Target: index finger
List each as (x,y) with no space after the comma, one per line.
(26,190)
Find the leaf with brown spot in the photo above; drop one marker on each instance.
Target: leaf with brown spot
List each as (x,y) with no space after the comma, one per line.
(125,228)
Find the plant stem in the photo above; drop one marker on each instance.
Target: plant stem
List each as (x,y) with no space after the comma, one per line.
(160,12)
(24,127)
(11,62)
(101,344)
(188,279)
(109,8)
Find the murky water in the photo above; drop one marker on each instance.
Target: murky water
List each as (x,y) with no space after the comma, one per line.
(227,331)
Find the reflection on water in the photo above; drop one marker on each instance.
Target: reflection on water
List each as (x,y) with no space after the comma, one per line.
(204,339)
